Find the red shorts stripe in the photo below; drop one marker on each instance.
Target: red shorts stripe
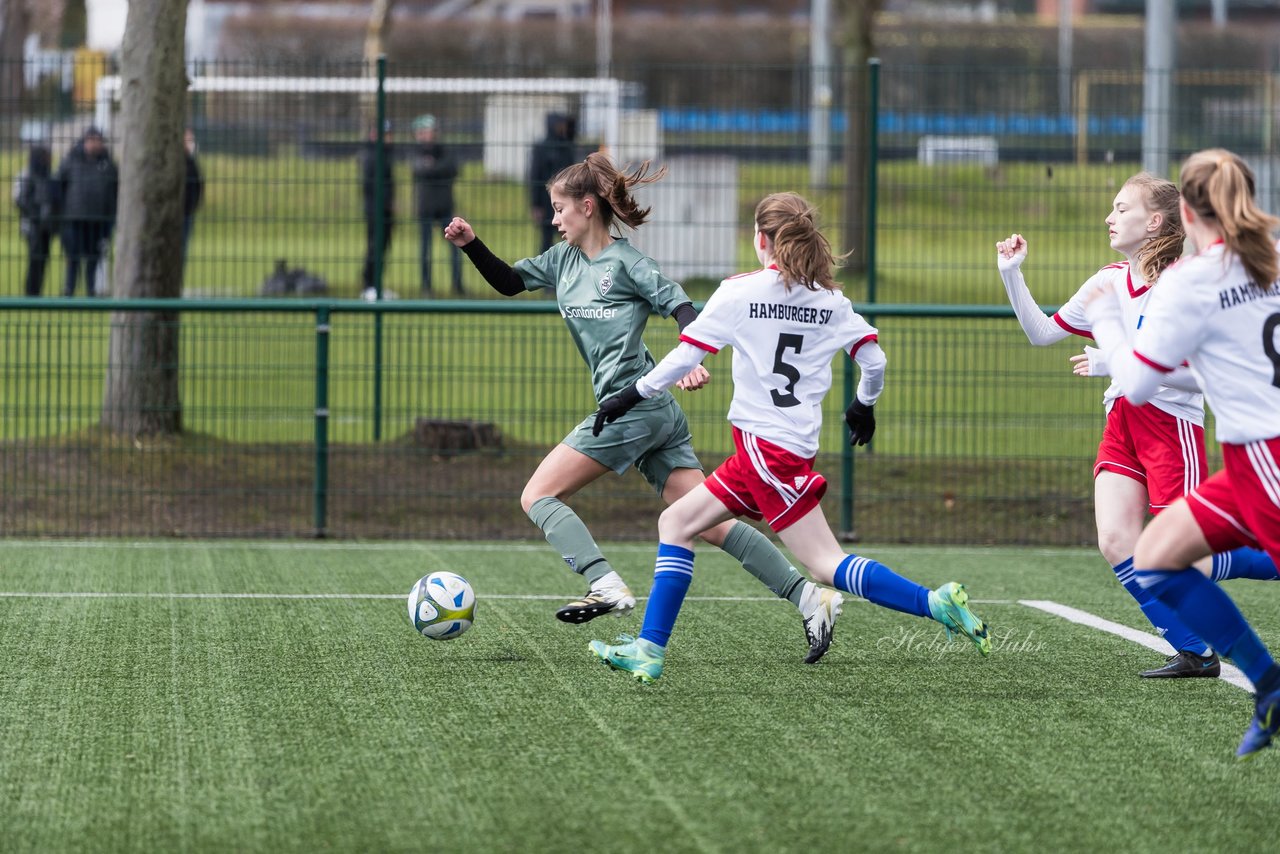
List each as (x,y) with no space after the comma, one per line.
(1240,505)
(1161,451)
(764,481)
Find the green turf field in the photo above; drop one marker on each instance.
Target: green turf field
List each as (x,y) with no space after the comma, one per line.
(226,696)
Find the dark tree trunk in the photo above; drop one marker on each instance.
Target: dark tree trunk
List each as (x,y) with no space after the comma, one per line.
(856,20)
(13,32)
(142,395)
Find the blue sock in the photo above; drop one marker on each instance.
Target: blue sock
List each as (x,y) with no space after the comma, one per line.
(1244,563)
(1207,609)
(1166,623)
(672,573)
(877,583)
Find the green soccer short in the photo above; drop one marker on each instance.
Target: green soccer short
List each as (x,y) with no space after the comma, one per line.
(654,437)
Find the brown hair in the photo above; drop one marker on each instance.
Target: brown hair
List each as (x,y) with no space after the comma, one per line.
(597,176)
(1218,185)
(1159,196)
(800,250)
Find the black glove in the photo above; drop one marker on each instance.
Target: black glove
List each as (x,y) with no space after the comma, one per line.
(862,422)
(615,407)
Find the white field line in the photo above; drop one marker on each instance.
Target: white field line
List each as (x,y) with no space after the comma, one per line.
(1230,673)
(531,597)
(1155,642)
(436,545)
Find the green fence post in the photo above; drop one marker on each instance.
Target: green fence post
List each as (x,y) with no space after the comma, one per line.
(380,159)
(322,420)
(847,531)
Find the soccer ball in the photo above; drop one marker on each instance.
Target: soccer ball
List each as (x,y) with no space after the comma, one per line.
(442,605)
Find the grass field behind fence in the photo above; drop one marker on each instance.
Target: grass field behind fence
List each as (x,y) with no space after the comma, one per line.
(235,696)
(937,226)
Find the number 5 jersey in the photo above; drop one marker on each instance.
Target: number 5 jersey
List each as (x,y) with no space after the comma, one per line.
(783,343)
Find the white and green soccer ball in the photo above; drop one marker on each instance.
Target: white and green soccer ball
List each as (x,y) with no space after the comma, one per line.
(442,606)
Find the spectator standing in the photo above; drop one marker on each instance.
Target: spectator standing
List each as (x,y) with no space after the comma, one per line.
(193,192)
(376,232)
(552,154)
(36,194)
(88,182)
(434,171)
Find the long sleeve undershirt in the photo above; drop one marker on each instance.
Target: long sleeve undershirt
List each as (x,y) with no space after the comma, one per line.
(498,273)
(1040,328)
(685,357)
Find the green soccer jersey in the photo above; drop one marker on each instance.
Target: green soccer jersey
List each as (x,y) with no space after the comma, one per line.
(606,302)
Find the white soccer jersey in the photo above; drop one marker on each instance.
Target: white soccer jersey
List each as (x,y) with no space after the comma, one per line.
(1133,305)
(1208,313)
(783,343)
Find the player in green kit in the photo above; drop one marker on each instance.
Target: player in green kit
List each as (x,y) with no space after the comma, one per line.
(606,290)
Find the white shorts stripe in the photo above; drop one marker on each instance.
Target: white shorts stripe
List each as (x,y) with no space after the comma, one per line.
(808,483)
(1190,457)
(1231,520)
(761,466)
(1264,466)
(745,506)
(1106,465)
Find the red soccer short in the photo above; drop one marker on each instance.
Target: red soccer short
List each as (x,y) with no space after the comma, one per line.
(764,481)
(1163,452)
(1240,505)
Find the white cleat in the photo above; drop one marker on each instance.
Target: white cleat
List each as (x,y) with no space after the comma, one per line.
(819,607)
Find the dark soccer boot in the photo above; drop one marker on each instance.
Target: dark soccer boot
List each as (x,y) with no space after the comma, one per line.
(1186,665)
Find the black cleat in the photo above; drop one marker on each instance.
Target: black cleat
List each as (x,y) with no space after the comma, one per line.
(601,599)
(1187,665)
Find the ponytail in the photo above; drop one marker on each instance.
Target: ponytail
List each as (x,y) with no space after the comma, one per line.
(1218,185)
(800,250)
(597,176)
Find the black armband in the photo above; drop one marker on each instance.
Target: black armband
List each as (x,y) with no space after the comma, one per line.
(498,273)
(685,314)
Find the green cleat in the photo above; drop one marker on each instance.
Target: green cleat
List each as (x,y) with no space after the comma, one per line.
(639,657)
(949,605)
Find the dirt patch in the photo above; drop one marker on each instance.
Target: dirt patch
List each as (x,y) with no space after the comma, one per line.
(195,486)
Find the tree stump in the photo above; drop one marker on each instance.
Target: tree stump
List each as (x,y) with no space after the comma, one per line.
(454,437)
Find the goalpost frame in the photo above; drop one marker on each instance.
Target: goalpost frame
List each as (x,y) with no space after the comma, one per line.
(607,89)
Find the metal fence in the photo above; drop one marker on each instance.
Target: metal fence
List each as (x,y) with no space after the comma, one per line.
(431,430)
(293,427)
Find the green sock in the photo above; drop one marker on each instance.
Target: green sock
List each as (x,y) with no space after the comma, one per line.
(568,535)
(761,558)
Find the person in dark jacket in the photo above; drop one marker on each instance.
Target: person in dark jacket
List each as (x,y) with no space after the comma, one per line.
(549,156)
(434,171)
(88,182)
(373,229)
(193,192)
(36,194)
